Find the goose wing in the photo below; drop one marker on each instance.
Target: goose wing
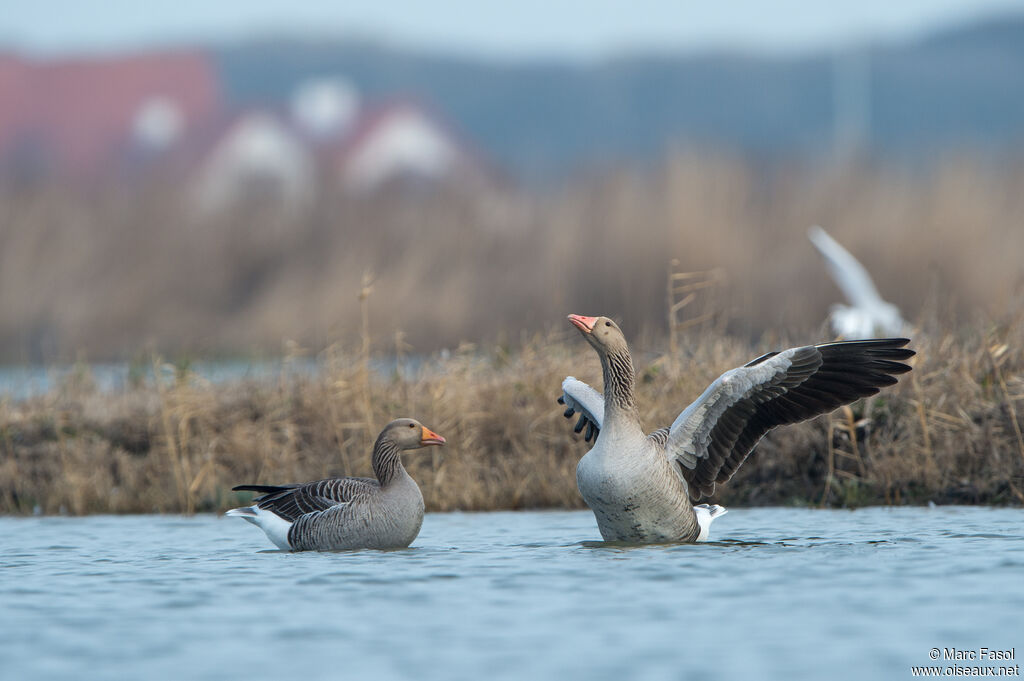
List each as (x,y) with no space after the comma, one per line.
(295,500)
(849,275)
(713,436)
(577,396)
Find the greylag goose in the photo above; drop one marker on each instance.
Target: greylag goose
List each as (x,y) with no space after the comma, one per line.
(867,315)
(348,513)
(642,487)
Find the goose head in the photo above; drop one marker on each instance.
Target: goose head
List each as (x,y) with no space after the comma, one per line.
(603,334)
(411,434)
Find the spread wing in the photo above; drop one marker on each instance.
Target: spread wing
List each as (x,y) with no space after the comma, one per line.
(714,435)
(292,501)
(577,396)
(849,275)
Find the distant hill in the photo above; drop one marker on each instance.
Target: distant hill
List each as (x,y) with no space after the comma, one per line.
(958,88)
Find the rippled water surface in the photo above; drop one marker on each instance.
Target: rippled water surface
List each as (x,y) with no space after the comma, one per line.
(783,593)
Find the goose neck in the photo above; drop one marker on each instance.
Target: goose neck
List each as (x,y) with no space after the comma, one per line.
(387,460)
(619,379)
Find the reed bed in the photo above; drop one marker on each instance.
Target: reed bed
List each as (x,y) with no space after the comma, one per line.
(97,273)
(950,432)
(112,273)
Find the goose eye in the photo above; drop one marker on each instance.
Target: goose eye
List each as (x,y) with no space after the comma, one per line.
(412,425)
(607,323)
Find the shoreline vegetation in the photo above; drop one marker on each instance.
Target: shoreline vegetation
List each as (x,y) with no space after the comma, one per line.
(133,272)
(949,432)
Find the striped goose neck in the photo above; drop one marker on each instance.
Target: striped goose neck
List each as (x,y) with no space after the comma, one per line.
(387,460)
(618,384)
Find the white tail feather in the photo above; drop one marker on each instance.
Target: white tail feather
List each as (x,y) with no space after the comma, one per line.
(705,514)
(274,525)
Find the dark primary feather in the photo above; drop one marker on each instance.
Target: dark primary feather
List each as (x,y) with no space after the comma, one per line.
(292,501)
(266,489)
(584,422)
(820,379)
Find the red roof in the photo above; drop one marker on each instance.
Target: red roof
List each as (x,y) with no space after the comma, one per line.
(72,113)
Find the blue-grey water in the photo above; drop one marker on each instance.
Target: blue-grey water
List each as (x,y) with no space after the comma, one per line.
(782,593)
(21,382)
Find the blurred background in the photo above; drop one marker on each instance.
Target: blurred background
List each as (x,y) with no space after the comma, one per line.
(232,179)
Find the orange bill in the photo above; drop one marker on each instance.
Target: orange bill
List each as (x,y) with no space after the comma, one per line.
(584,324)
(429,437)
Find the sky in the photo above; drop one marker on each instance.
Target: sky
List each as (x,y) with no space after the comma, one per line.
(572,29)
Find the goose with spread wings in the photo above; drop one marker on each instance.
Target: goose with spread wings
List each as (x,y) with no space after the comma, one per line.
(642,487)
(348,513)
(867,315)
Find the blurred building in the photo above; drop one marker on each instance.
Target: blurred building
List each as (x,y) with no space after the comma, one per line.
(256,154)
(88,120)
(80,118)
(403,143)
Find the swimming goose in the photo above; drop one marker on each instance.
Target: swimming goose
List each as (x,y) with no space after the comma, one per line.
(867,315)
(642,487)
(348,513)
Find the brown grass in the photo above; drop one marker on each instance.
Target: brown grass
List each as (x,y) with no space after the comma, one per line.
(116,273)
(130,274)
(949,432)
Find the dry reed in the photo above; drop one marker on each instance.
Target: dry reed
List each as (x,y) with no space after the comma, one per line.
(949,432)
(114,274)
(124,275)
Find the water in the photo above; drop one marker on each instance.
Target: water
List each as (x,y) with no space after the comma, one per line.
(21,382)
(784,593)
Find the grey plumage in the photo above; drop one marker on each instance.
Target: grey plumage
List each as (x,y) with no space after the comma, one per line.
(714,435)
(577,396)
(641,488)
(293,501)
(348,513)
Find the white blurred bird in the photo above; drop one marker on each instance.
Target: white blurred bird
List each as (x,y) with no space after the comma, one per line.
(867,316)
